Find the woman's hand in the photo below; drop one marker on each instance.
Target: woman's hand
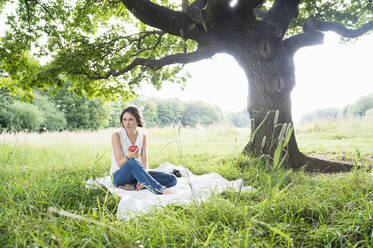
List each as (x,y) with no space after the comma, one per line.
(133,154)
(139,186)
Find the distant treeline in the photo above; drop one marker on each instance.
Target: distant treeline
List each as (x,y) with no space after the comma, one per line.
(66,111)
(162,113)
(363,107)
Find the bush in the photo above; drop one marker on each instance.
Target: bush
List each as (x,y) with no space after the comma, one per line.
(5,101)
(54,119)
(115,109)
(3,118)
(240,119)
(98,112)
(322,114)
(150,114)
(169,111)
(369,114)
(81,112)
(24,116)
(362,104)
(200,113)
(165,112)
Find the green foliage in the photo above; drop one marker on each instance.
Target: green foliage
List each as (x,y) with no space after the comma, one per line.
(169,111)
(65,110)
(86,39)
(358,108)
(116,108)
(363,104)
(163,113)
(150,113)
(322,114)
(199,113)
(240,119)
(350,13)
(98,115)
(22,116)
(5,101)
(80,112)
(58,112)
(54,119)
(149,109)
(369,114)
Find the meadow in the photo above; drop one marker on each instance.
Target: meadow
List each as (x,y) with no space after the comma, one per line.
(40,172)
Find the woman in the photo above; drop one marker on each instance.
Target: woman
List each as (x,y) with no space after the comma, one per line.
(126,169)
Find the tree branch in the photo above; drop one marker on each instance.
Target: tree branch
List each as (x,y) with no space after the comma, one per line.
(208,13)
(309,38)
(46,10)
(167,20)
(213,11)
(259,13)
(313,36)
(281,13)
(321,25)
(194,12)
(144,35)
(156,64)
(28,15)
(149,48)
(245,6)
(184,5)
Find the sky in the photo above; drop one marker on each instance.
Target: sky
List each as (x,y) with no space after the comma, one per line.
(328,75)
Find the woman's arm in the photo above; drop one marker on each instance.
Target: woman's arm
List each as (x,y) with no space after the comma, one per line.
(117,150)
(144,154)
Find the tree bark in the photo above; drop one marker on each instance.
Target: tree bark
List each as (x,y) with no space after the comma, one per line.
(269,68)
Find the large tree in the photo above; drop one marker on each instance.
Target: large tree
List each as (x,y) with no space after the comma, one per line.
(107,47)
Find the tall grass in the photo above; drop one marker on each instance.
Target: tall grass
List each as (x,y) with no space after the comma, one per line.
(337,138)
(44,202)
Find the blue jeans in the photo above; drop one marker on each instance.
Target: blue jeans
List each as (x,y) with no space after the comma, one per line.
(132,172)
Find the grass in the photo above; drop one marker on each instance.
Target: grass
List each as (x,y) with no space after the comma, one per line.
(338,138)
(42,174)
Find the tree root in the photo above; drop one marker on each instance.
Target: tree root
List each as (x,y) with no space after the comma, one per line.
(313,164)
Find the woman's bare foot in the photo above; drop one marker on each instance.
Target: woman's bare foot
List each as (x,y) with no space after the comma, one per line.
(167,192)
(127,187)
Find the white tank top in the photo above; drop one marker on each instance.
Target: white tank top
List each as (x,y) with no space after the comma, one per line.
(125,143)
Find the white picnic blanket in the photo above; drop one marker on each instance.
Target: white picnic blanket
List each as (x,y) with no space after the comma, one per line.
(189,188)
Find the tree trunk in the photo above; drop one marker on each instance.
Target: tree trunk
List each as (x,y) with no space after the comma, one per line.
(271,78)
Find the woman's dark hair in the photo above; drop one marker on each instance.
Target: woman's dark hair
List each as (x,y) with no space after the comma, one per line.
(135,112)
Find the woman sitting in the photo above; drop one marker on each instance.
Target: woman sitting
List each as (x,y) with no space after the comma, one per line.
(129,148)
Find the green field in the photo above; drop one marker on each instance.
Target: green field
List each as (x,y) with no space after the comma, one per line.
(288,209)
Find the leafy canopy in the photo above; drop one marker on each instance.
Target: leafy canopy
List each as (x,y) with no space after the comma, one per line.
(80,40)
(47,43)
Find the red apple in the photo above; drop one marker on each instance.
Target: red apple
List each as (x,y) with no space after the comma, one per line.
(132,148)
